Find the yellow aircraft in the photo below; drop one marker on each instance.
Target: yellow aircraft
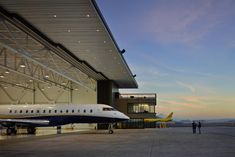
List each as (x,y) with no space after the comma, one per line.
(166,119)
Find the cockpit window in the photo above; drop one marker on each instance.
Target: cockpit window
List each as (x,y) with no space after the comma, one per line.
(108,109)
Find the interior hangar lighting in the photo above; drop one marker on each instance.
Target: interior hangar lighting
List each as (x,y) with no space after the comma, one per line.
(7,71)
(22,65)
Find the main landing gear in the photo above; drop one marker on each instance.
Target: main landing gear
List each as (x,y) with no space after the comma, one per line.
(31,130)
(11,130)
(110,128)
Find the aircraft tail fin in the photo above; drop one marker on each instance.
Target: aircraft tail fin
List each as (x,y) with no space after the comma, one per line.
(170,116)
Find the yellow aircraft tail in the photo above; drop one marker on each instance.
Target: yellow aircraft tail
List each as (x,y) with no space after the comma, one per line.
(170,116)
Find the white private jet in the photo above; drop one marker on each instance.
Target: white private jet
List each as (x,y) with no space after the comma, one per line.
(31,116)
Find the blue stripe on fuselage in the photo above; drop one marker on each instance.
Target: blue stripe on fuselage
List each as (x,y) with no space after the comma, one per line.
(62,120)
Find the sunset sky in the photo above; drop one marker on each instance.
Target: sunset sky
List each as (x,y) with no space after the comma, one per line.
(183,50)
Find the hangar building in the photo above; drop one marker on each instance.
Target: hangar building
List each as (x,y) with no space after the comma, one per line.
(59,52)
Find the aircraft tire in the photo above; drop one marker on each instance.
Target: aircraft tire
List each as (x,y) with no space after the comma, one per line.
(31,130)
(110,131)
(11,131)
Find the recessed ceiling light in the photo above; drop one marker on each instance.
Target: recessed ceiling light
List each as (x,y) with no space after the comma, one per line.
(42,88)
(7,72)
(97,30)
(46,76)
(104,41)
(30,80)
(5,87)
(75,89)
(48,86)
(22,66)
(54,16)
(79,41)
(1,76)
(69,30)
(87,15)
(63,83)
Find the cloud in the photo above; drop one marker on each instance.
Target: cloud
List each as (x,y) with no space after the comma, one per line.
(185,21)
(188,86)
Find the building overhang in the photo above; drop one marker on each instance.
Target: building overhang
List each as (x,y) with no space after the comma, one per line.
(76,31)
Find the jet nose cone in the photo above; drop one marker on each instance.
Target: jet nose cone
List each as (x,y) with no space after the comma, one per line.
(126,117)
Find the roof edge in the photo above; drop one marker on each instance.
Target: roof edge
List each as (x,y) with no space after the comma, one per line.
(112,37)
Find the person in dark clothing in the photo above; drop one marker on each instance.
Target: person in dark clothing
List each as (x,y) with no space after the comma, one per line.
(199,127)
(194,126)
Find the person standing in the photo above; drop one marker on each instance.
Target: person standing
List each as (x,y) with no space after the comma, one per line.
(199,127)
(194,126)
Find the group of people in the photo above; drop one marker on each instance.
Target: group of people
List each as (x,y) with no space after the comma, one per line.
(195,125)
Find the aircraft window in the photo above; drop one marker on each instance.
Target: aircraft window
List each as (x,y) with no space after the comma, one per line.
(49,111)
(72,111)
(61,111)
(37,111)
(26,111)
(108,109)
(55,111)
(15,111)
(91,111)
(44,111)
(78,111)
(84,111)
(67,111)
(20,111)
(31,111)
(10,111)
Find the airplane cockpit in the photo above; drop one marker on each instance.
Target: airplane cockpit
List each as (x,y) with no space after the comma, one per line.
(109,109)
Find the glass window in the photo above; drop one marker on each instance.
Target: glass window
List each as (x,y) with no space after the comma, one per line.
(108,109)
(84,111)
(49,111)
(61,111)
(31,111)
(78,111)
(20,111)
(72,111)
(67,111)
(10,111)
(55,111)
(140,108)
(37,111)
(44,111)
(26,111)
(15,111)
(91,111)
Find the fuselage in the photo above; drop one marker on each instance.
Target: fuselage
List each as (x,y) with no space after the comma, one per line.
(58,114)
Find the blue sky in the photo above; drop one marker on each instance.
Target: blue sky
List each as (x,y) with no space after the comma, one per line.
(183,50)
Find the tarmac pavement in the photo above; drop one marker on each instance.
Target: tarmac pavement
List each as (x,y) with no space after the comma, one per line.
(167,142)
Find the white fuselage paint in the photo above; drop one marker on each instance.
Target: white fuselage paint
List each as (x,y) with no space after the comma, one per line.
(60,114)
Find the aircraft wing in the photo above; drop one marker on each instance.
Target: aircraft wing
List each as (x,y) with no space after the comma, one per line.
(25,121)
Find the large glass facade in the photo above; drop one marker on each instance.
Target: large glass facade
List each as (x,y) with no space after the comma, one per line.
(140,108)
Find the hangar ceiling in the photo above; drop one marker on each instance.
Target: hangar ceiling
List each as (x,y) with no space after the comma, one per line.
(23,60)
(74,30)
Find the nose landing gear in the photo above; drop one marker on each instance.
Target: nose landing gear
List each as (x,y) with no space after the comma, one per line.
(110,128)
